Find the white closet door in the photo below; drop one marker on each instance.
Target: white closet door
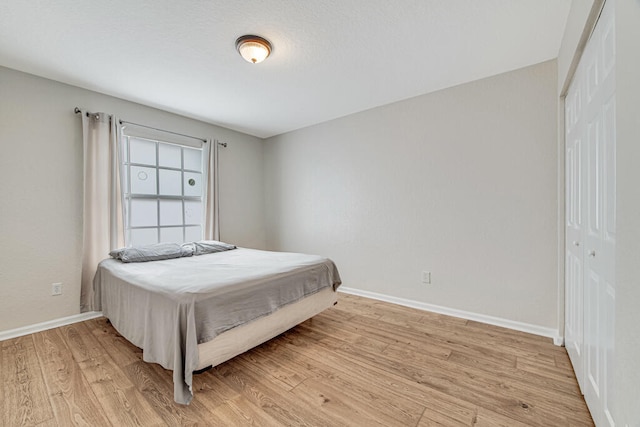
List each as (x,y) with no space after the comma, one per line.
(591,187)
(574,169)
(600,235)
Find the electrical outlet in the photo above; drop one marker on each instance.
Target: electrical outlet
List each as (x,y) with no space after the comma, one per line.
(56,289)
(426,277)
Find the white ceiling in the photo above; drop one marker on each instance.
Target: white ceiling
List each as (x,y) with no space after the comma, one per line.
(330,57)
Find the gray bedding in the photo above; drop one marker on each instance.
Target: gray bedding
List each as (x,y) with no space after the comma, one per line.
(168,307)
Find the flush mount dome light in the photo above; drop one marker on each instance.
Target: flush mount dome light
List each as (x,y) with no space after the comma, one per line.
(253,49)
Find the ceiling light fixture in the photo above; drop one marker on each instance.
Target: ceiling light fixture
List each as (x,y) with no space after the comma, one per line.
(253,49)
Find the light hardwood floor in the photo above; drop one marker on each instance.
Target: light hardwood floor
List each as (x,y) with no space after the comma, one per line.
(361,363)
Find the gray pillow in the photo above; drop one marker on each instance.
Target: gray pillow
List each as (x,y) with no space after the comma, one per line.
(155,252)
(203,247)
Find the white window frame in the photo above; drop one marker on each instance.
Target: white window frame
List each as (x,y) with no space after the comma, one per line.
(127,196)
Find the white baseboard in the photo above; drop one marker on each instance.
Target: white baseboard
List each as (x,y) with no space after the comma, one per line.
(483,318)
(38,327)
(559,341)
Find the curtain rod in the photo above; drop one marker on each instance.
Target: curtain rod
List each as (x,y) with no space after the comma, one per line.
(224,144)
(122,122)
(78,111)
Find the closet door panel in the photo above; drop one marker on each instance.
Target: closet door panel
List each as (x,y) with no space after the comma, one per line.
(574,171)
(591,226)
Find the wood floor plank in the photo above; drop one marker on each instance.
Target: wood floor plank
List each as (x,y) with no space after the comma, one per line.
(160,395)
(71,397)
(475,391)
(289,376)
(492,329)
(383,405)
(469,387)
(340,315)
(560,377)
(119,398)
(199,407)
(432,418)
(343,334)
(363,362)
(434,340)
(458,338)
(212,392)
(438,325)
(330,401)
(121,351)
(382,379)
(241,412)
(383,336)
(263,393)
(516,405)
(487,418)
(363,308)
(563,362)
(529,393)
(517,374)
(24,395)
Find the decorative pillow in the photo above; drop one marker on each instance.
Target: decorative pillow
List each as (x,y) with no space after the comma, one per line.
(155,252)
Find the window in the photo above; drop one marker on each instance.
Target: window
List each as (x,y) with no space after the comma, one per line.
(163,187)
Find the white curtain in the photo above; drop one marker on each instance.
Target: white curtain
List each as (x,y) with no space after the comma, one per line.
(102,216)
(212,204)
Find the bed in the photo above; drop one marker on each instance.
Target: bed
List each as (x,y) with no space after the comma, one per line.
(192,312)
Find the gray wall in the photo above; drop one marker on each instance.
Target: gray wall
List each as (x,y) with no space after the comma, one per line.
(41,190)
(460,182)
